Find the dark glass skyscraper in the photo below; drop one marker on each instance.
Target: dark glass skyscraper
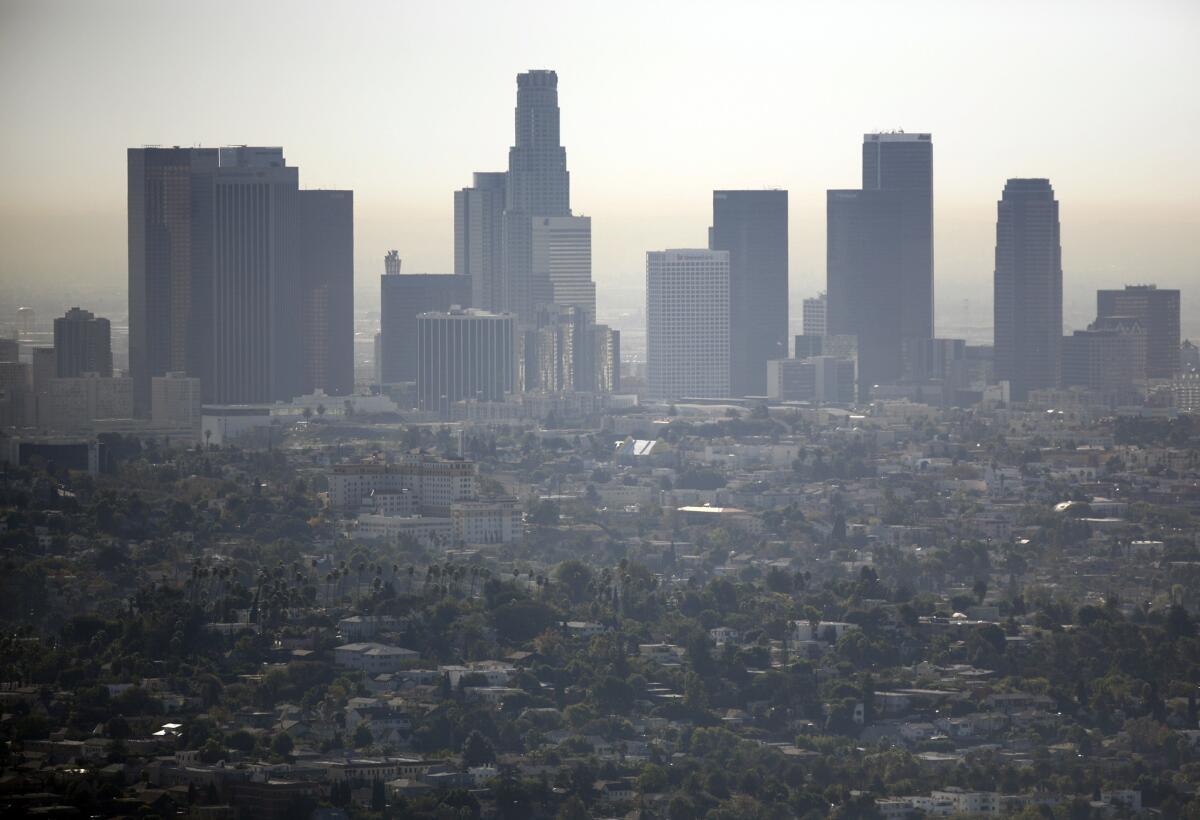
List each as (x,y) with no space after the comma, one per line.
(236,276)
(904,163)
(170,265)
(327,254)
(753,227)
(880,256)
(258,294)
(82,344)
(1028,288)
(864,235)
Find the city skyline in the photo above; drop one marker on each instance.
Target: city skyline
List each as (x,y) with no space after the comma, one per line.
(1123,226)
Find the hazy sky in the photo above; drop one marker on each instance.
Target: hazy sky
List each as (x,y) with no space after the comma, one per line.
(661,103)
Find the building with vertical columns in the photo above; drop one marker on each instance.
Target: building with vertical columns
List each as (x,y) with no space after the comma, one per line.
(464,354)
(688,324)
(752,226)
(236,277)
(82,344)
(1028,287)
(478,232)
(258,294)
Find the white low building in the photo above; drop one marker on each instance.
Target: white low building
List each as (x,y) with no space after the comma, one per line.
(373,658)
(487,521)
(425,530)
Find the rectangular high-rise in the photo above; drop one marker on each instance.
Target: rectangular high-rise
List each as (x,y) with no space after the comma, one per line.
(170,265)
(752,226)
(403,297)
(562,255)
(236,277)
(904,163)
(257,284)
(864,234)
(478,231)
(1027,302)
(1158,313)
(327,258)
(464,354)
(688,324)
(82,344)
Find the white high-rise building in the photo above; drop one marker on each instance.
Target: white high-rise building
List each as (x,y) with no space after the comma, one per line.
(687,323)
(814,316)
(562,252)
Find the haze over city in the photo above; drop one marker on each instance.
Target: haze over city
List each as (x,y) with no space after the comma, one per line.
(599,411)
(662,104)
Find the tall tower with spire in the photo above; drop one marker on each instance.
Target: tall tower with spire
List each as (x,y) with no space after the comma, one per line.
(546,253)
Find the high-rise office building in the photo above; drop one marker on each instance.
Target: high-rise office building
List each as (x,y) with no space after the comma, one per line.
(1028,288)
(904,163)
(688,324)
(864,235)
(1158,313)
(82,344)
(236,277)
(537,185)
(752,226)
(327,257)
(170,265)
(464,354)
(403,297)
(814,316)
(880,255)
(257,285)
(538,181)
(562,255)
(478,235)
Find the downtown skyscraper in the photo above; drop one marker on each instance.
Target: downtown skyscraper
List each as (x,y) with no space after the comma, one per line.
(752,226)
(170,265)
(514,233)
(879,255)
(236,276)
(687,324)
(904,163)
(1028,288)
(478,237)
